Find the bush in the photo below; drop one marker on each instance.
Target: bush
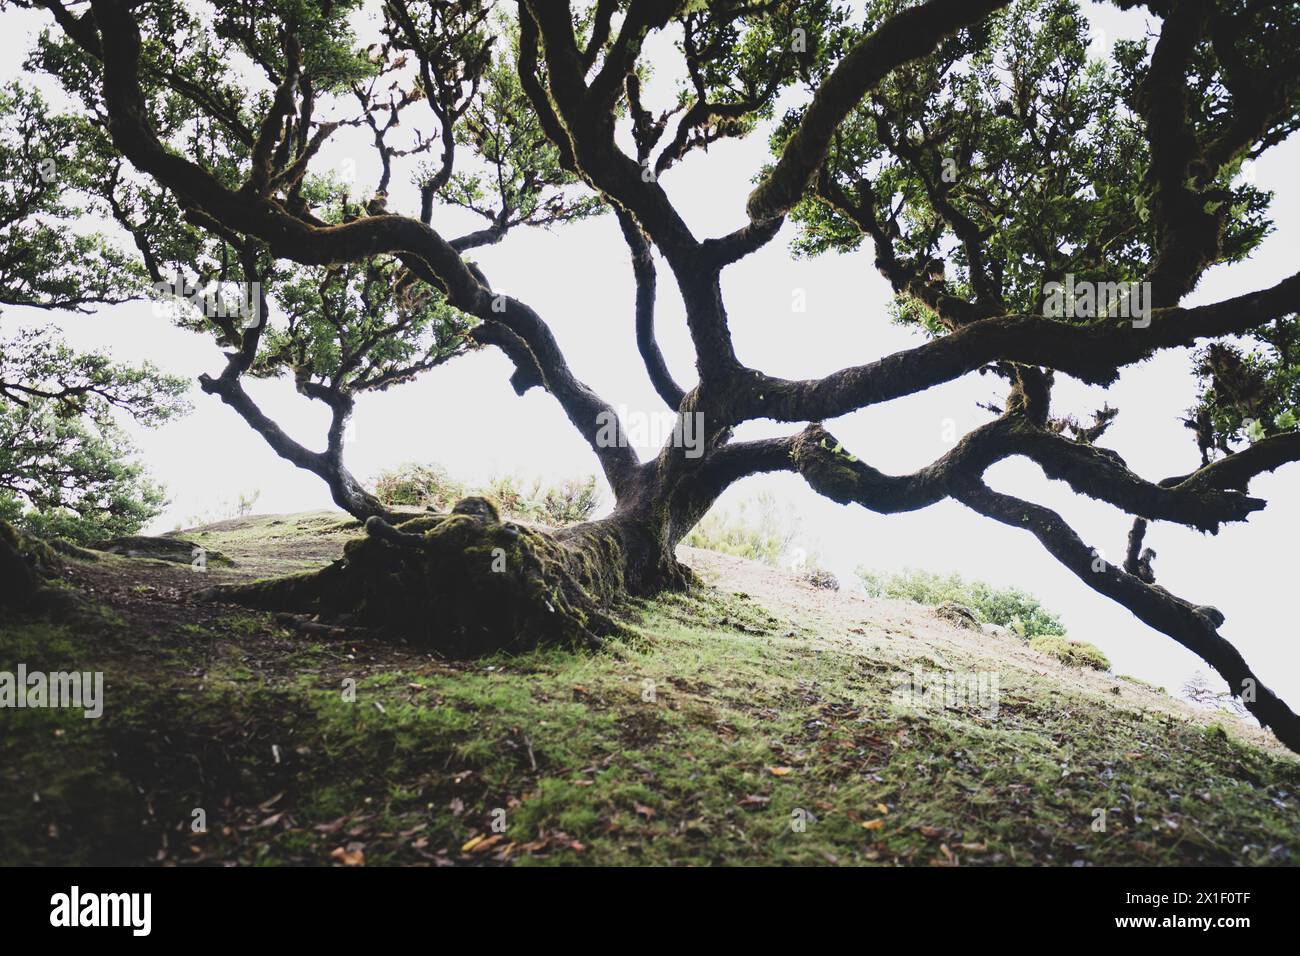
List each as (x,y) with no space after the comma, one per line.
(765,536)
(418,486)
(820,578)
(569,502)
(1010,607)
(430,486)
(1073,653)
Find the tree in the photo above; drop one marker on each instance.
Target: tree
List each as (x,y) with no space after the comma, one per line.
(65,464)
(1036,213)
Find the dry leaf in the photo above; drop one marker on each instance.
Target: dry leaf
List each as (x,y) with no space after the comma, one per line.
(780,771)
(352,855)
(484,845)
(873,824)
(469,844)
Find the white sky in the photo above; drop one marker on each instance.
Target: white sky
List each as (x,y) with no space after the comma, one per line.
(465,415)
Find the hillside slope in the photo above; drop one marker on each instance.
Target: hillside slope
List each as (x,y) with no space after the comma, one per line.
(759,721)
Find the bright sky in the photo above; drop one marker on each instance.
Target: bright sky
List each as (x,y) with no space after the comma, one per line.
(466,416)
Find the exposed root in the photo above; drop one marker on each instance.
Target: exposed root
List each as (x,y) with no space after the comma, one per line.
(28,566)
(464,583)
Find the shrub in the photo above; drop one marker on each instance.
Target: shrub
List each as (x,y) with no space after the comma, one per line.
(1071,652)
(510,498)
(430,486)
(758,531)
(1144,684)
(418,486)
(570,502)
(820,578)
(1010,607)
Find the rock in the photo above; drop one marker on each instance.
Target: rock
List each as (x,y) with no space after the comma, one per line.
(176,550)
(820,578)
(958,614)
(997,630)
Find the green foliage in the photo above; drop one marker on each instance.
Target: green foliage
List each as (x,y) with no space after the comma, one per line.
(66,466)
(1071,652)
(37,364)
(418,486)
(572,501)
(359,327)
(1005,160)
(63,477)
(44,168)
(759,531)
(1249,391)
(517,179)
(1008,607)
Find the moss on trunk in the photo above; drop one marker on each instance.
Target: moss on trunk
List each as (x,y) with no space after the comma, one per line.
(28,566)
(468,583)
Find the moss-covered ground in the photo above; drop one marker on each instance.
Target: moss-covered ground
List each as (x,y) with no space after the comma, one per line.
(721,732)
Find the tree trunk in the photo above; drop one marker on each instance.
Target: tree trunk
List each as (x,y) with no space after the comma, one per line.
(468,583)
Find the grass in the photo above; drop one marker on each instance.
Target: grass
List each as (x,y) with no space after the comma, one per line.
(722,733)
(1071,652)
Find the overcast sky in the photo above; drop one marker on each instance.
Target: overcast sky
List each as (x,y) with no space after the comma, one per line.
(465,415)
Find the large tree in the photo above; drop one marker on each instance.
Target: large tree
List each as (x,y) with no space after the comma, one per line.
(1036,212)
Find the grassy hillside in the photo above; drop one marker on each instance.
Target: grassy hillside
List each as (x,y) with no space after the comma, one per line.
(758,722)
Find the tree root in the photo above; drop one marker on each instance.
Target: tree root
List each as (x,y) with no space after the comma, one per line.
(465,584)
(27,568)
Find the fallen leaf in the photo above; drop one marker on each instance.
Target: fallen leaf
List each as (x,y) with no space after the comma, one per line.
(780,771)
(873,824)
(882,808)
(643,811)
(352,855)
(484,845)
(469,844)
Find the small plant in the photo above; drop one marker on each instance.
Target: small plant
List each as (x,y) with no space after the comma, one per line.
(758,531)
(418,486)
(570,502)
(1011,608)
(1070,652)
(1198,690)
(820,578)
(430,486)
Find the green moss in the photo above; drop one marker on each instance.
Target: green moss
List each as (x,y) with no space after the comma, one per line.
(1071,652)
(464,583)
(659,748)
(1155,688)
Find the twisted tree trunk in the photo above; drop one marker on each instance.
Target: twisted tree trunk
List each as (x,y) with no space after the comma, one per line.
(468,583)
